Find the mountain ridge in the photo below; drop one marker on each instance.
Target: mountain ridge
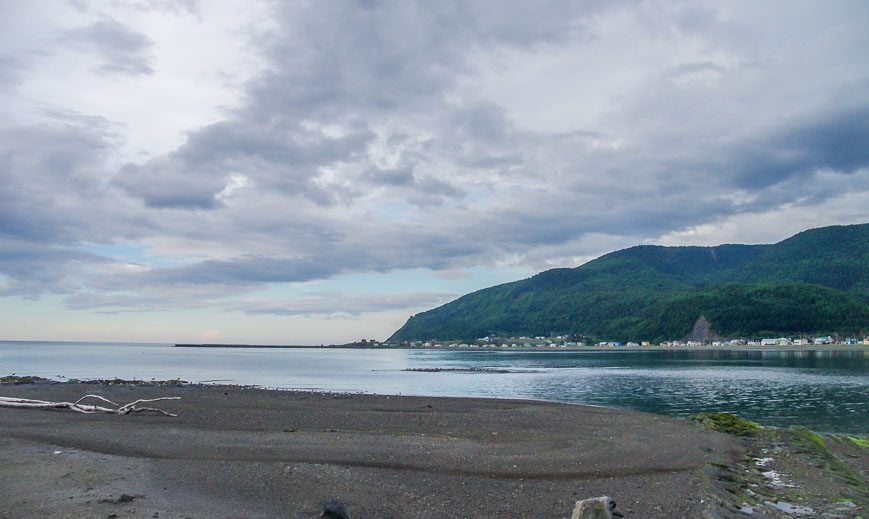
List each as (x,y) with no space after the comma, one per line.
(815,281)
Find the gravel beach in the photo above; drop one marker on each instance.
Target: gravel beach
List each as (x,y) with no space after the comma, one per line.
(245,452)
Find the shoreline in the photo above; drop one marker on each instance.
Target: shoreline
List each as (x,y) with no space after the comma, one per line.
(15,380)
(588,348)
(824,347)
(252,452)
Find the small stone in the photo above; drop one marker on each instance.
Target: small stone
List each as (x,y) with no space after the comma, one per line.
(790,509)
(745,509)
(333,509)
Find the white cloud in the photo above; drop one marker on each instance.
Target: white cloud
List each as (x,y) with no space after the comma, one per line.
(180,69)
(775,224)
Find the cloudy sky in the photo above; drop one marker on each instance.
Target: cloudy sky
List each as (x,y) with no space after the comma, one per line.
(316,172)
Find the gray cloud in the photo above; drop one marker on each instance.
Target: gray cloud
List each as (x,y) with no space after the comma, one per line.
(121,50)
(33,270)
(336,303)
(11,71)
(190,6)
(53,199)
(47,171)
(173,6)
(244,271)
(288,158)
(688,70)
(838,141)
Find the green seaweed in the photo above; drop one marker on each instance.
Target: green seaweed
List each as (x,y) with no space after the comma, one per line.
(728,423)
(18,379)
(859,442)
(809,438)
(135,382)
(812,443)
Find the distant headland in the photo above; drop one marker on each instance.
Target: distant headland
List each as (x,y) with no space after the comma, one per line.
(811,285)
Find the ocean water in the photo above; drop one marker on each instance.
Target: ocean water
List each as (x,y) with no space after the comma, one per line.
(825,390)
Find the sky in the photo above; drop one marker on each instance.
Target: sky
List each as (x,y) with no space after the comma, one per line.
(295,172)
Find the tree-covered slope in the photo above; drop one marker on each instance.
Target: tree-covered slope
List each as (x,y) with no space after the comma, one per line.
(813,282)
(836,257)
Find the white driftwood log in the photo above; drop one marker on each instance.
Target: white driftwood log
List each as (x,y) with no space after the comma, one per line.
(79,407)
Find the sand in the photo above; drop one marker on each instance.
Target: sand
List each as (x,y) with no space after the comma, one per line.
(244,452)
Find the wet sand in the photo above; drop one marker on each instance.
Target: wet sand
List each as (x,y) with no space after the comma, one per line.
(244,452)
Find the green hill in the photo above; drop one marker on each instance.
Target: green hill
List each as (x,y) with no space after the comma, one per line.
(814,282)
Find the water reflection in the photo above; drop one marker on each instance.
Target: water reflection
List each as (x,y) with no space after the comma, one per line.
(826,390)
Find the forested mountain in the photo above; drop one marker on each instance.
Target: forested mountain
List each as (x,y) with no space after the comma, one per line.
(814,282)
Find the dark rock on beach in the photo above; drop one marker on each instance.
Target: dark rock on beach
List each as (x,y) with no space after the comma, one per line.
(333,509)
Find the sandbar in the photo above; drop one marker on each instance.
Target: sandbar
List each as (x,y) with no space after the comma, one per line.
(247,452)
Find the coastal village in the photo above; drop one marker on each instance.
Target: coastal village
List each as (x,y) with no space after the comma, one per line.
(570,342)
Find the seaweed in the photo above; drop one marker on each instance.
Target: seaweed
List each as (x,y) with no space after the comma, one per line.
(808,439)
(27,379)
(728,423)
(811,443)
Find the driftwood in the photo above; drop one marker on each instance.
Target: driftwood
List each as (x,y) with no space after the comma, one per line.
(79,407)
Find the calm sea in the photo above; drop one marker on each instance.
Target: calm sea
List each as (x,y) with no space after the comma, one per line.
(824,390)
